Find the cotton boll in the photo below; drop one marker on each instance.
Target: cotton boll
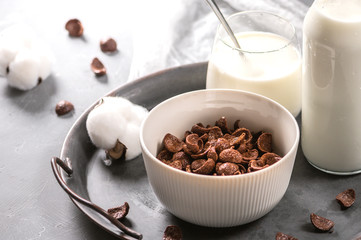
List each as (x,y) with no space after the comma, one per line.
(24,58)
(12,40)
(23,71)
(104,126)
(116,118)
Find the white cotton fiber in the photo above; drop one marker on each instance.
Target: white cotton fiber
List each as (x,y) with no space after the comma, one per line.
(104,125)
(7,55)
(130,138)
(116,118)
(46,61)
(24,72)
(24,58)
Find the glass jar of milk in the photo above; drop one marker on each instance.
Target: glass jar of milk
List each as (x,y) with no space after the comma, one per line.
(331,110)
(268,63)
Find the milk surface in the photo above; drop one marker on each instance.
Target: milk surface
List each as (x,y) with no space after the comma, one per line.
(331,107)
(275,74)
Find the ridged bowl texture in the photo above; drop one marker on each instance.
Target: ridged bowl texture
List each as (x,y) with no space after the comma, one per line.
(219,201)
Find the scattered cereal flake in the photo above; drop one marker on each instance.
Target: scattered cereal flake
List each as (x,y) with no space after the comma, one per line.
(63,107)
(74,27)
(346,198)
(116,119)
(119,212)
(108,45)
(172,232)
(321,223)
(98,67)
(282,236)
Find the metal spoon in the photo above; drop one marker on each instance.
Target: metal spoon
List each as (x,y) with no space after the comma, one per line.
(221,18)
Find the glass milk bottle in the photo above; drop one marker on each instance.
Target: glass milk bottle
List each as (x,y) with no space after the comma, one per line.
(331,98)
(268,63)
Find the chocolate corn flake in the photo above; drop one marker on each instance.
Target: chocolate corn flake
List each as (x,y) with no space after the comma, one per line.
(119,212)
(202,166)
(264,142)
(212,154)
(227,168)
(108,45)
(172,143)
(221,144)
(256,165)
(321,223)
(222,124)
(249,155)
(282,236)
(74,27)
(194,143)
(346,198)
(215,133)
(176,164)
(183,158)
(244,133)
(199,129)
(244,147)
(172,232)
(165,155)
(63,107)
(230,155)
(218,150)
(98,67)
(270,158)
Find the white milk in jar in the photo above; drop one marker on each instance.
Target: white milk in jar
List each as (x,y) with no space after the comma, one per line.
(268,63)
(331,107)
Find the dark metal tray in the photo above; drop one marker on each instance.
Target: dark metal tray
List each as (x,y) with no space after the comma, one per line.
(92,183)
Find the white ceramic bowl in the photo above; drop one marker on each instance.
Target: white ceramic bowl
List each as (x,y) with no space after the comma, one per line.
(219,201)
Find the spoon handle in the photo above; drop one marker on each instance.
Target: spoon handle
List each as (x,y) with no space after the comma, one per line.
(221,18)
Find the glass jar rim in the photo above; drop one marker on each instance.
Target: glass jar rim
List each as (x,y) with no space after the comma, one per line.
(289,40)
